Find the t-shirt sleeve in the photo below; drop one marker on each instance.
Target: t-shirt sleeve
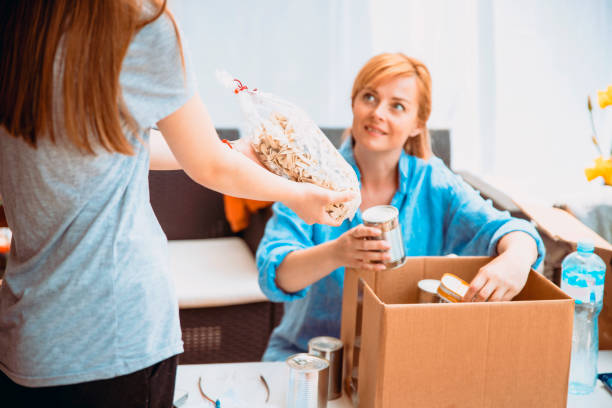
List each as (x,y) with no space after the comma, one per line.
(285,232)
(153,80)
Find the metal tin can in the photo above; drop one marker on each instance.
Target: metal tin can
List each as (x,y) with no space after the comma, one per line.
(386,217)
(308,381)
(329,348)
(428,291)
(452,288)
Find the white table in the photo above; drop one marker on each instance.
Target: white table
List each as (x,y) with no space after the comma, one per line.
(600,397)
(238,385)
(240,382)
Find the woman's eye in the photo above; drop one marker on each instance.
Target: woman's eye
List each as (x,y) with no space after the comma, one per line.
(368,97)
(398,107)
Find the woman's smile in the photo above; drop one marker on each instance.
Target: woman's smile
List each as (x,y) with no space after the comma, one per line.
(374,131)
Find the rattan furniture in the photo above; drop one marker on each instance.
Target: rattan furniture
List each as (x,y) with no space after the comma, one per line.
(224,316)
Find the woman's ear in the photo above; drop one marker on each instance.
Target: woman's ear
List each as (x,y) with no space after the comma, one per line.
(416,132)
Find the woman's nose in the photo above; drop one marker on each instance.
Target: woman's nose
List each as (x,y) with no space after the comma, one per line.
(378,112)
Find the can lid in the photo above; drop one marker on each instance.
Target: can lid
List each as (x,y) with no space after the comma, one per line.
(307,362)
(379,214)
(429,285)
(325,343)
(452,287)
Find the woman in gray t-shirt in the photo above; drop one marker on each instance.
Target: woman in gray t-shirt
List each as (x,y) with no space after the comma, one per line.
(88,314)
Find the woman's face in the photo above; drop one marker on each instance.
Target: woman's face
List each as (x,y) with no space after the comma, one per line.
(385,117)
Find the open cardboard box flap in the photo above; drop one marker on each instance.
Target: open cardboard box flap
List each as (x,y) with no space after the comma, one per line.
(562,232)
(561,225)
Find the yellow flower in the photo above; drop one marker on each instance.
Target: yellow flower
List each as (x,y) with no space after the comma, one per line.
(603,168)
(605,97)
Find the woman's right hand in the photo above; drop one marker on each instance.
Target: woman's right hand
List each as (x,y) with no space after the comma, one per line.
(356,251)
(309,202)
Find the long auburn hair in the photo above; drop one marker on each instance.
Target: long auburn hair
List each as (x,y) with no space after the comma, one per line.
(392,65)
(93,37)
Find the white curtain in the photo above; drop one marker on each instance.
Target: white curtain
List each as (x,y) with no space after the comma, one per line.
(549,55)
(304,51)
(510,77)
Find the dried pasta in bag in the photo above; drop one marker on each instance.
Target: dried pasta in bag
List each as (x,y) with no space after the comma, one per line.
(291,145)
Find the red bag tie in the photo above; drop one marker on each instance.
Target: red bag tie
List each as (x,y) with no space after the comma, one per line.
(240,87)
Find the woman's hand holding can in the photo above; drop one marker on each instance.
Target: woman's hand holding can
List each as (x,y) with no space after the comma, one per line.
(361,248)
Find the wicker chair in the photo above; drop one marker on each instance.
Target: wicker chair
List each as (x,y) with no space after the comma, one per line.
(187,213)
(224,331)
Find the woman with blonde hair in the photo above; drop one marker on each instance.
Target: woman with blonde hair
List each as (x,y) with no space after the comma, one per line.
(88,313)
(389,148)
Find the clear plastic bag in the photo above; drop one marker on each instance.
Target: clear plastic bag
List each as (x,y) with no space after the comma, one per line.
(291,145)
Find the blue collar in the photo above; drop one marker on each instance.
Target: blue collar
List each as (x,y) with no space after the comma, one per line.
(346,150)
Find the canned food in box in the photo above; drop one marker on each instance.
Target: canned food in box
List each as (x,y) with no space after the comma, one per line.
(452,288)
(428,291)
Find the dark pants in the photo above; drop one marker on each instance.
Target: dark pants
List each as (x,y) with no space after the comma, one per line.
(152,387)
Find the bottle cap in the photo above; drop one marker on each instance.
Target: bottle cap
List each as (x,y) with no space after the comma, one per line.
(585,246)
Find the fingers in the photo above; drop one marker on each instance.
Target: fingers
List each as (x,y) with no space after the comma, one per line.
(361,231)
(322,217)
(374,256)
(360,241)
(499,280)
(364,264)
(372,266)
(363,253)
(489,292)
(475,286)
(341,196)
(328,220)
(377,245)
(487,286)
(486,292)
(245,147)
(500,294)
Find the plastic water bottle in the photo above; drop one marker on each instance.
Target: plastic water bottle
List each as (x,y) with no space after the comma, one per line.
(583,274)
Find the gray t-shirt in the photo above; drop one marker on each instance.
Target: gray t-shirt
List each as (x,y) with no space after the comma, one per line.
(87,293)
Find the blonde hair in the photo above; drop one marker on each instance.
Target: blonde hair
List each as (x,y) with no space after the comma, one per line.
(393,65)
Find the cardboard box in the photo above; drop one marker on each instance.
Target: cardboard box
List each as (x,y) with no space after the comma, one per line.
(505,354)
(560,232)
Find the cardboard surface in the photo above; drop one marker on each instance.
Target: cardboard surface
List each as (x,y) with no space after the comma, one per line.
(561,231)
(505,354)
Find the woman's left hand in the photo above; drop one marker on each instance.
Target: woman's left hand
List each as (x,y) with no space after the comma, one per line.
(504,277)
(501,279)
